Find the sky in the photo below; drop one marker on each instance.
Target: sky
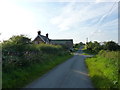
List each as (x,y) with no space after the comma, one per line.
(96,20)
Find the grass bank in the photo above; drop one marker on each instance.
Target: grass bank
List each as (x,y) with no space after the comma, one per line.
(22,76)
(103,69)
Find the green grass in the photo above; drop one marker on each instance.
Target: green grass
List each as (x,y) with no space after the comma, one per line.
(88,52)
(21,77)
(103,69)
(76,49)
(85,54)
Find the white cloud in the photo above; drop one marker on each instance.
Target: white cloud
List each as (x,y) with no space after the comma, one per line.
(113,23)
(72,14)
(15,19)
(106,31)
(68,0)
(97,1)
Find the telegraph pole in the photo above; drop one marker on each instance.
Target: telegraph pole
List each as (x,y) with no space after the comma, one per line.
(0,34)
(86,40)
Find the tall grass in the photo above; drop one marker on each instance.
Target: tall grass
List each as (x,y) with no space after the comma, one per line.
(23,76)
(103,69)
(32,54)
(22,67)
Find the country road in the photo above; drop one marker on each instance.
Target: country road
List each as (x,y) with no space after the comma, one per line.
(70,74)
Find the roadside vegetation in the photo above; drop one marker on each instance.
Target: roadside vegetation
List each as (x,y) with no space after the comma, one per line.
(103,66)
(103,69)
(95,47)
(77,46)
(24,61)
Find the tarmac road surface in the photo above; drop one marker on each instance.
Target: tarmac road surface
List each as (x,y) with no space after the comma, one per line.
(70,74)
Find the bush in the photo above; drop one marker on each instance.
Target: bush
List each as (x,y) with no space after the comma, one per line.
(95,47)
(50,49)
(104,68)
(18,51)
(24,61)
(112,46)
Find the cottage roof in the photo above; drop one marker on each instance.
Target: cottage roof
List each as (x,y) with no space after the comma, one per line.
(61,39)
(43,38)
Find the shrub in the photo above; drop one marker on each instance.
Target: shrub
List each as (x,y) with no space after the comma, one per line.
(95,47)
(18,51)
(104,68)
(112,46)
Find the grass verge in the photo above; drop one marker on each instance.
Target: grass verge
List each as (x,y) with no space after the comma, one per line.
(103,69)
(21,77)
(85,54)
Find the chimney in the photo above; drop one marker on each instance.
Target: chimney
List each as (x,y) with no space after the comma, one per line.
(39,32)
(47,35)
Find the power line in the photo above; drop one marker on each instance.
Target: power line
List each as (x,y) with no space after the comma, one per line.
(108,12)
(102,19)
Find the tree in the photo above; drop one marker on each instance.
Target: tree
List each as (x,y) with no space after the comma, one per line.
(20,39)
(81,43)
(89,46)
(15,44)
(94,47)
(111,45)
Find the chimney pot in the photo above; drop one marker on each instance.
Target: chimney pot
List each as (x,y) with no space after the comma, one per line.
(47,35)
(39,32)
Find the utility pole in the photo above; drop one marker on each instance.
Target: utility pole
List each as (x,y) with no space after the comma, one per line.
(0,34)
(86,40)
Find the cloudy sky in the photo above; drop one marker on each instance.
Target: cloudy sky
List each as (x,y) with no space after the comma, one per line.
(96,20)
